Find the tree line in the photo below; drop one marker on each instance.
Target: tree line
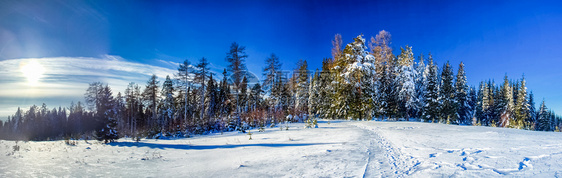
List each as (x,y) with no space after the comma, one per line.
(360,82)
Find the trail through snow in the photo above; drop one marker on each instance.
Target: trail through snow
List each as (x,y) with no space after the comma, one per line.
(336,149)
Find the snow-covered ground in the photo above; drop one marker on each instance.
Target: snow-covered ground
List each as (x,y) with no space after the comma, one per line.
(338,149)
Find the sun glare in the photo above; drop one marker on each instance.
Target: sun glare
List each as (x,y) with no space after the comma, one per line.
(33,71)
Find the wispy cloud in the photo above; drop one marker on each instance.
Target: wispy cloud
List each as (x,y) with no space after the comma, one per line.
(68,77)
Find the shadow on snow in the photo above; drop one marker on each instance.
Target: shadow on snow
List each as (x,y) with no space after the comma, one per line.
(205,147)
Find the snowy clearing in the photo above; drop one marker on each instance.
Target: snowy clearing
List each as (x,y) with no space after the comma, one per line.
(338,149)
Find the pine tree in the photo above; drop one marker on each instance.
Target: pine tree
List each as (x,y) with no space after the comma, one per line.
(506,107)
(225,100)
(532,120)
(487,104)
(167,104)
(105,115)
(419,100)
(301,94)
(447,96)
(325,89)
(183,76)
(357,80)
(406,83)
(431,107)
(390,83)
(150,96)
(472,106)
(522,106)
(313,97)
(201,75)
(211,101)
(462,98)
(543,118)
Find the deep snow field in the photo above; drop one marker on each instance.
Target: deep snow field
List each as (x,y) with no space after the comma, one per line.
(337,149)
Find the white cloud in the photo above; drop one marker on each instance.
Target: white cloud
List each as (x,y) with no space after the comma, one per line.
(68,77)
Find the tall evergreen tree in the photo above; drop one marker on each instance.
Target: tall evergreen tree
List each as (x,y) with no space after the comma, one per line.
(301,99)
(184,77)
(532,120)
(431,107)
(201,75)
(326,88)
(314,95)
(419,100)
(506,108)
(462,97)
(447,96)
(167,104)
(211,101)
(225,100)
(472,106)
(406,82)
(151,97)
(522,112)
(105,114)
(543,118)
(356,89)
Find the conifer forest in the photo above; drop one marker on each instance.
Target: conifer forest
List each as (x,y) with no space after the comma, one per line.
(364,80)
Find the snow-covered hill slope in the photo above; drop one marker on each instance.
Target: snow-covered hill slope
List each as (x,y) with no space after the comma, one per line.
(338,149)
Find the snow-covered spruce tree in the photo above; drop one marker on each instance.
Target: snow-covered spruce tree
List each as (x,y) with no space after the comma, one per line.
(313,97)
(211,103)
(505,109)
(357,79)
(134,106)
(532,120)
(151,98)
(120,116)
(226,105)
(543,118)
(341,89)
(326,89)
(105,112)
(302,87)
(201,74)
(167,105)
(184,77)
(462,98)
(472,106)
(381,50)
(406,83)
(479,109)
(242,102)
(487,104)
(419,78)
(431,108)
(447,96)
(522,106)
(390,84)
(515,88)
(497,101)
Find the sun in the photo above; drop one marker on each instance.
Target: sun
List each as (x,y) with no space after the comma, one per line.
(33,71)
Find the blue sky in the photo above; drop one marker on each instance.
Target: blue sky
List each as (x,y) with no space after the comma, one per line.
(492,38)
